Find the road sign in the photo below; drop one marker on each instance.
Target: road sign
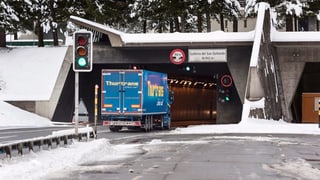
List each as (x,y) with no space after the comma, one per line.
(177,56)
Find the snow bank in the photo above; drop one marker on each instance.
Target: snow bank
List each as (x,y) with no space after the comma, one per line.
(29,73)
(39,165)
(252,125)
(11,116)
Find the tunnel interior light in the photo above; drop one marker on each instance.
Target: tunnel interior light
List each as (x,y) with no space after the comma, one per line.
(191,83)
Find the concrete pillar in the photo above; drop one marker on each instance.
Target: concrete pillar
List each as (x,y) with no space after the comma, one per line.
(291,73)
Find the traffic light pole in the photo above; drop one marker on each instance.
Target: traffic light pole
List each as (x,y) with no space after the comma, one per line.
(82,62)
(76,102)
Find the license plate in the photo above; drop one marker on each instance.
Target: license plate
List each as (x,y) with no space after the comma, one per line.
(122,123)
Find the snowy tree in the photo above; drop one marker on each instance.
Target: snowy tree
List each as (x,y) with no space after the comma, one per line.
(158,15)
(140,13)
(199,10)
(8,20)
(222,9)
(59,13)
(182,15)
(44,16)
(115,14)
(313,9)
(287,12)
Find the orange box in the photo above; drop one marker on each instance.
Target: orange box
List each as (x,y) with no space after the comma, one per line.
(310,107)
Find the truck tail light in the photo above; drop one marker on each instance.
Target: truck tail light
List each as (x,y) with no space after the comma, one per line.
(105,123)
(137,123)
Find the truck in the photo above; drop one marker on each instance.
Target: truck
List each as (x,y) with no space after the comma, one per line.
(136,99)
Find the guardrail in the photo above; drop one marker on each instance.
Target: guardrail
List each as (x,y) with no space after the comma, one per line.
(57,139)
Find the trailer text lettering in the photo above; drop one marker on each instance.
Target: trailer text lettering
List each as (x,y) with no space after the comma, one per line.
(155,90)
(112,83)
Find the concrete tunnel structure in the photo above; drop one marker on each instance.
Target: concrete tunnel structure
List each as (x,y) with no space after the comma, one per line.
(264,64)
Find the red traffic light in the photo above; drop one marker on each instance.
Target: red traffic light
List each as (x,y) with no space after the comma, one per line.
(226,81)
(82,40)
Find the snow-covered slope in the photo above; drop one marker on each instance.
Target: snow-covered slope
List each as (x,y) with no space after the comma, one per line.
(29,73)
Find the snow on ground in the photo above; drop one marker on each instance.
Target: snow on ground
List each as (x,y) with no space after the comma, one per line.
(64,160)
(12,117)
(40,164)
(253,125)
(33,78)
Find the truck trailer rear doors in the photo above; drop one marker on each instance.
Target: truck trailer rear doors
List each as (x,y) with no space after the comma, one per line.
(121,92)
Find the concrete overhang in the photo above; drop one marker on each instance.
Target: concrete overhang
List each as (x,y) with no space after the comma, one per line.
(309,39)
(210,39)
(114,35)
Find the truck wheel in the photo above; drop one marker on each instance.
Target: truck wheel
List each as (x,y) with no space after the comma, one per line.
(168,127)
(148,125)
(114,129)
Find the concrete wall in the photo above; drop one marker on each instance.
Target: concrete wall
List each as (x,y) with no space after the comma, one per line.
(291,72)
(25,105)
(47,108)
(104,54)
(238,63)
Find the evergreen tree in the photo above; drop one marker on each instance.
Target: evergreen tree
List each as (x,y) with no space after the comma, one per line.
(8,21)
(312,8)
(285,12)
(115,14)
(59,13)
(221,9)
(140,14)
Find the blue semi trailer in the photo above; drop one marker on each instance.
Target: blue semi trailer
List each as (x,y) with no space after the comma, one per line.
(135,99)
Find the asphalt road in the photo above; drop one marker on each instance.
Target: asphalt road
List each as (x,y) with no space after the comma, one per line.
(228,156)
(13,135)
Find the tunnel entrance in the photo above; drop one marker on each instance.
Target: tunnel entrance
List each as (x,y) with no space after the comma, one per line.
(308,87)
(193,105)
(194,87)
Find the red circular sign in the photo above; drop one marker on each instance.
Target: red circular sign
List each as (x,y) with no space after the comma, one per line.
(226,81)
(177,56)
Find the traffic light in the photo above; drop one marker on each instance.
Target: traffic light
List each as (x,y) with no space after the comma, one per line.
(82,51)
(188,68)
(224,95)
(224,89)
(227,95)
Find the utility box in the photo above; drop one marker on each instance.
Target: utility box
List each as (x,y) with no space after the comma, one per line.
(310,107)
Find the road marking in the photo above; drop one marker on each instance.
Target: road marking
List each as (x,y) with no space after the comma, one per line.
(137,177)
(3,137)
(33,130)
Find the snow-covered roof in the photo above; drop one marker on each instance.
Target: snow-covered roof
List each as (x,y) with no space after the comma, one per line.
(218,37)
(295,37)
(121,39)
(29,73)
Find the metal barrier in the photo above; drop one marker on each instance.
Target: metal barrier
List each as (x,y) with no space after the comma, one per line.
(19,148)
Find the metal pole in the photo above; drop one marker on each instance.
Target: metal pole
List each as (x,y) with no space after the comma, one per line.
(76,102)
(95,108)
